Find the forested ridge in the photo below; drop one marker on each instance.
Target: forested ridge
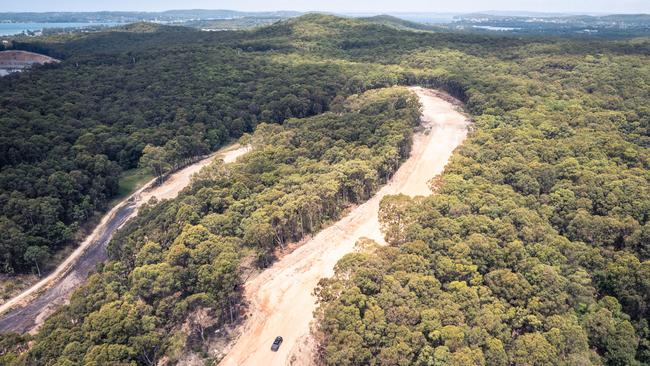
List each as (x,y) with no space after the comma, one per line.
(533,251)
(67,132)
(178,262)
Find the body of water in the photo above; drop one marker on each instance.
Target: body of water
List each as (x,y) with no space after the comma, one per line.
(499,29)
(9,29)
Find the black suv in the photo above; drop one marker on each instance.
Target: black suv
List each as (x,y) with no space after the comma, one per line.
(276,344)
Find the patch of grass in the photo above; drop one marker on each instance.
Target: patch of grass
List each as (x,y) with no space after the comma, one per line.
(130,181)
(12,285)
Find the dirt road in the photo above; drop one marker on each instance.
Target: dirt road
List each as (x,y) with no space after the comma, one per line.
(281,298)
(27,311)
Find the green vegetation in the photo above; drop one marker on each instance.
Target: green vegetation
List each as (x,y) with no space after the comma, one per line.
(130,181)
(534,251)
(66,132)
(401,24)
(246,22)
(181,258)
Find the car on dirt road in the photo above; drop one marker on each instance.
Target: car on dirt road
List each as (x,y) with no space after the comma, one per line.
(276,344)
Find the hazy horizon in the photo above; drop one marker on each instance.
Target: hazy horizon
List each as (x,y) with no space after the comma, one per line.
(341,6)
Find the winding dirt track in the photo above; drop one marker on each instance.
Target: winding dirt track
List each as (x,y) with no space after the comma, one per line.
(27,311)
(281,298)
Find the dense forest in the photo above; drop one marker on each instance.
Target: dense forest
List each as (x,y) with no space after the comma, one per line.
(67,132)
(180,259)
(533,251)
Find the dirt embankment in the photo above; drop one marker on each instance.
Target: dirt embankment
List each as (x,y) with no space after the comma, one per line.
(20,60)
(29,309)
(281,298)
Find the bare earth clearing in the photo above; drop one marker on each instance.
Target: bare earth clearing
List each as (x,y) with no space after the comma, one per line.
(281,298)
(28,310)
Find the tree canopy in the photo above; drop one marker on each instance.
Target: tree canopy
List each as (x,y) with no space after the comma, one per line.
(533,251)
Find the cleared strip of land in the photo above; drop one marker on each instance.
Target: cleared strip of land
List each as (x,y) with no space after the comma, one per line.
(281,298)
(28,310)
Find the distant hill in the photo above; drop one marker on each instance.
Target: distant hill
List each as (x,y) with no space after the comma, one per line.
(615,25)
(516,23)
(633,18)
(529,14)
(225,14)
(399,23)
(131,16)
(238,23)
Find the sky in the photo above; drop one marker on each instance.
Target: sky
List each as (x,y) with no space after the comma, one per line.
(573,6)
